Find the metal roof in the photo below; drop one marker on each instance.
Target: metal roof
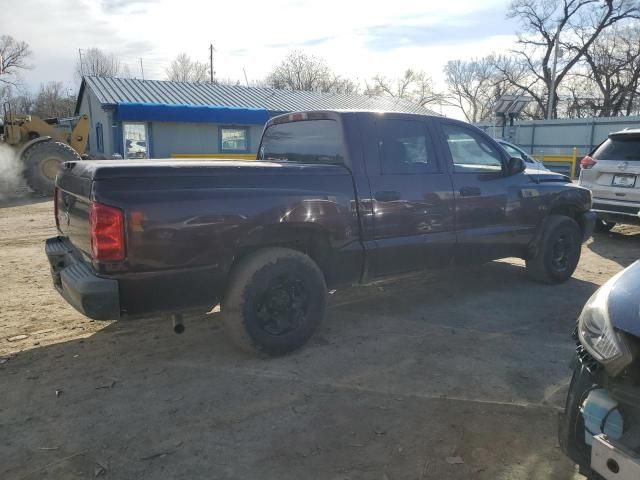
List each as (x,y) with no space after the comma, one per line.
(114,91)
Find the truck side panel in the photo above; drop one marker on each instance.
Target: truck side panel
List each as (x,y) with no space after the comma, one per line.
(191,230)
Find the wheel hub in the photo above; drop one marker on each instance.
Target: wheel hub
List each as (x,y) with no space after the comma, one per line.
(561,252)
(283,306)
(50,167)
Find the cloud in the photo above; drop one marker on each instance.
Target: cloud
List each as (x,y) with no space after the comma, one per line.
(125,6)
(358,38)
(292,45)
(456,30)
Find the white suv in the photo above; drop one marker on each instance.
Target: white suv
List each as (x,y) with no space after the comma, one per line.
(611,172)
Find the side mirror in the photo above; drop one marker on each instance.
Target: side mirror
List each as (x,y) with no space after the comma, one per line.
(515,165)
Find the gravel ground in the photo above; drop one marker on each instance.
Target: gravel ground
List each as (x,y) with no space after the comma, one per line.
(457,374)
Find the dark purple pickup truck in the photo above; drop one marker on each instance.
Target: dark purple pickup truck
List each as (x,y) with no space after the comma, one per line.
(333,198)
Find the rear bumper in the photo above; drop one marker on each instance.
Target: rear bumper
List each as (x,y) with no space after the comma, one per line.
(616,211)
(93,296)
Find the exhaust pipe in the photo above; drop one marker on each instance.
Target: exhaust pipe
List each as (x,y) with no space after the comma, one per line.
(178,326)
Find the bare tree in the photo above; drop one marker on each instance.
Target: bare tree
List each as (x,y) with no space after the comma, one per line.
(475,86)
(299,71)
(53,100)
(415,86)
(14,57)
(97,63)
(183,69)
(613,62)
(572,25)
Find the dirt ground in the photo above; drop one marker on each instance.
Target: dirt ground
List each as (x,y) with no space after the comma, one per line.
(457,374)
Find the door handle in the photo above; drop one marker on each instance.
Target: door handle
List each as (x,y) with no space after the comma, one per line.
(387,196)
(470,192)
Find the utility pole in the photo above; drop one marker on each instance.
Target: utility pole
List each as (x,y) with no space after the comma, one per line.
(211,61)
(141,69)
(552,90)
(81,63)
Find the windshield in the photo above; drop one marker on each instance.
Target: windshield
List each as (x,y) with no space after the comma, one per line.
(619,148)
(310,141)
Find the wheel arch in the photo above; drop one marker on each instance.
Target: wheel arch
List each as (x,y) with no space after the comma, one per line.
(565,209)
(311,239)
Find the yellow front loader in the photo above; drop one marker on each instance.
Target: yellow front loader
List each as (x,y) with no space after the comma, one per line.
(43,145)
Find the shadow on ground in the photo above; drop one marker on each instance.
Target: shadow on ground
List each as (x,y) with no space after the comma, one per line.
(405,379)
(622,245)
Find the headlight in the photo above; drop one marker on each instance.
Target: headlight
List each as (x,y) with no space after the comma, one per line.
(597,335)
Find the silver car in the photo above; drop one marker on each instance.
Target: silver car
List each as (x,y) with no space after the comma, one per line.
(515,151)
(611,172)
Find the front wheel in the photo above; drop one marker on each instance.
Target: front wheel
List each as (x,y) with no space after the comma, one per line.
(274,302)
(559,251)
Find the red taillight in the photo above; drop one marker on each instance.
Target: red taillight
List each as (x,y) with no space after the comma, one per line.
(296,117)
(107,232)
(587,162)
(55,207)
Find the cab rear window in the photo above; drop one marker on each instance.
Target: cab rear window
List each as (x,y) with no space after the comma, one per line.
(619,147)
(308,141)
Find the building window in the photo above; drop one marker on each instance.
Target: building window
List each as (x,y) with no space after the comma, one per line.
(135,140)
(235,139)
(99,138)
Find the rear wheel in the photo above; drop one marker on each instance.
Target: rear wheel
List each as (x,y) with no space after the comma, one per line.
(559,251)
(274,302)
(42,162)
(602,226)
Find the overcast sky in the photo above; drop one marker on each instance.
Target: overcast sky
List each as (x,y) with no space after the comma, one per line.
(357,38)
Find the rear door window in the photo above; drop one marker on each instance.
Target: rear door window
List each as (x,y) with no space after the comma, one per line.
(308,141)
(619,148)
(405,148)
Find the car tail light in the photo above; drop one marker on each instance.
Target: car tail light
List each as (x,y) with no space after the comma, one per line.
(55,207)
(587,162)
(296,117)
(107,232)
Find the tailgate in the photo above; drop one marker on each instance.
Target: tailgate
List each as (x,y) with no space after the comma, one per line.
(73,197)
(614,180)
(615,175)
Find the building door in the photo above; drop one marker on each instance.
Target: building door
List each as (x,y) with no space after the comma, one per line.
(135,140)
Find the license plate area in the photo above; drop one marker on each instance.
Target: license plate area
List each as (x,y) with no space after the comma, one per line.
(626,181)
(613,461)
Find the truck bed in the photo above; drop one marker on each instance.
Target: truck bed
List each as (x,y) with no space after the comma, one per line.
(186,221)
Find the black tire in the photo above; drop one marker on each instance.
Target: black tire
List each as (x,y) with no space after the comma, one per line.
(41,163)
(602,226)
(559,251)
(275,300)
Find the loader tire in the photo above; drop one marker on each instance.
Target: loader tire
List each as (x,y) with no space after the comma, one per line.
(274,302)
(41,164)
